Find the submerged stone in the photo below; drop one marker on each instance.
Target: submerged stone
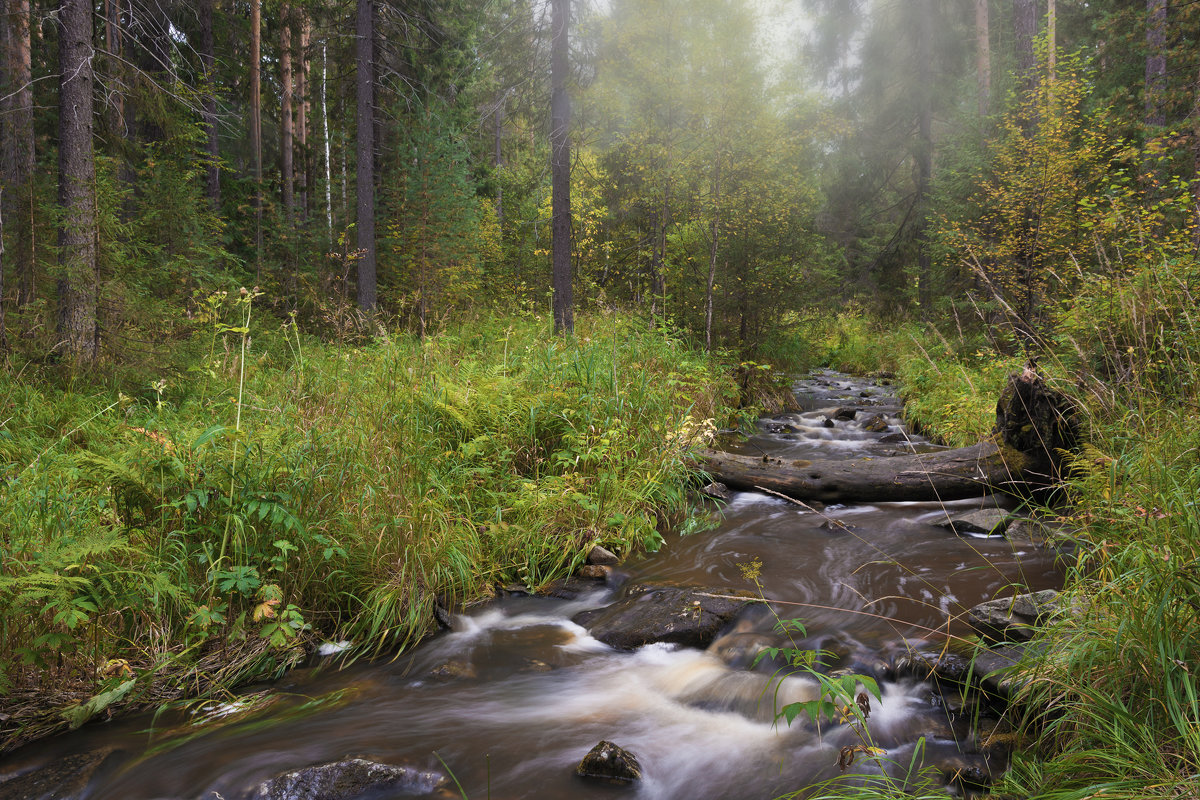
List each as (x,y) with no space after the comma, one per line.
(453,670)
(609,763)
(348,779)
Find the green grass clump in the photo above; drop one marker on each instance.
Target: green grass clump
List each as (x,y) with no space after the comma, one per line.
(194,535)
(1114,701)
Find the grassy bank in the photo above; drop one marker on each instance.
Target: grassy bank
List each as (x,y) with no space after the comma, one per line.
(205,530)
(1112,705)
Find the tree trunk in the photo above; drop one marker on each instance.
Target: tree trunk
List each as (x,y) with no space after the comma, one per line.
(560,169)
(365,177)
(3,336)
(212,181)
(713,252)
(1051,40)
(304,174)
(256,127)
(983,56)
(1025,27)
(18,155)
(152,26)
(498,155)
(924,154)
(286,155)
(325,137)
(1195,117)
(1156,62)
(77,284)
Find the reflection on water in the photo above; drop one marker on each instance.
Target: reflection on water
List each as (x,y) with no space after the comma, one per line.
(514,696)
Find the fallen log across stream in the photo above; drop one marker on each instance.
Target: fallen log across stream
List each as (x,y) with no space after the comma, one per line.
(973,471)
(1035,426)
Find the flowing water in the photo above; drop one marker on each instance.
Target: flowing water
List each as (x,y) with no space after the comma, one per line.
(511,698)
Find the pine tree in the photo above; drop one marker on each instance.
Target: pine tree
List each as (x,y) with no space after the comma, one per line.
(78,280)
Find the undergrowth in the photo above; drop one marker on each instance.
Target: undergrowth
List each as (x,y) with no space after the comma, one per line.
(204,530)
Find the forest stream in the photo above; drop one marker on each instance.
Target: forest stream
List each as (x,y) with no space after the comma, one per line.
(507,702)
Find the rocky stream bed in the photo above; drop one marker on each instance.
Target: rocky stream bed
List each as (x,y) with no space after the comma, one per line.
(647,674)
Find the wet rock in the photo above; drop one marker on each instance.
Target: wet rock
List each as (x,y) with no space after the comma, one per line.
(1013,618)
(876,424)
(845,414)
(571,588)
(66,777)
(453,670)
(781,427)
(351,778)
(718,491)
(996,739)
(593,572)
(600,556)
(985,522)
(894,438)
(989,670)
(688,616)
(536,665)
(970,772)
(828,423)
(611,764)
(740,649)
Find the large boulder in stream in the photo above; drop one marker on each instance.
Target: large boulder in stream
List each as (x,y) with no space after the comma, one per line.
(688,616)
(610,764)
(349,779)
